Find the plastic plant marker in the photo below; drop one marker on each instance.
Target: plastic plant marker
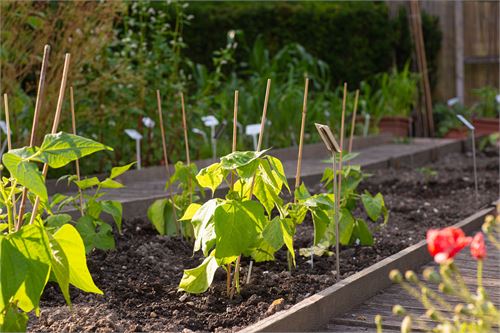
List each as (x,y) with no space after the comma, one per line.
(452,101)
(331,144)
(253,130)
(148,122)
(471,128)
(200,133)
(134,135)
(34,126)
(366,125)
(55,125)
(212,122)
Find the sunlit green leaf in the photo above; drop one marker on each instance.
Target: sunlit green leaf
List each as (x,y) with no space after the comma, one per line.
(118,171)
(198,279)
(115,209)
(26,173)
(59,149)
(211,177)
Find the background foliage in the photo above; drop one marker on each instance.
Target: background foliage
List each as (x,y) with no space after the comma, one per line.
(122,52)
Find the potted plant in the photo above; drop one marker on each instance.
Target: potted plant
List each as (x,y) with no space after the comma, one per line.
(447,123)
(485,111)
(395,101)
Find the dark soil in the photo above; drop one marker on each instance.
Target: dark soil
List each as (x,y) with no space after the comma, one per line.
(140,278)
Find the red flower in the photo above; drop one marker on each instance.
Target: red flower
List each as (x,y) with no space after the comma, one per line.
(477,247)
(445,243)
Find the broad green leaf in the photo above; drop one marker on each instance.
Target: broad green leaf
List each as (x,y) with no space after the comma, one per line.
(60,267)
(211,177)
(266,194)
(321,222)
(32,243)
(301,193)
(362,232)
(161,214)
(59,149)
(346,226)
(3,226)
(273,235)
(197,280)
(57,221)
(26,173)
(110,183)
(278,170)
(238,159)
(288,230)
(115,209)
(87,183)
(190,211)
(373,205)
(203,225)
(13,268)
(95,234)
(324,200)
(297,212)
(93,208)
(72,245)
(118,171)
(12,320)
(237,227)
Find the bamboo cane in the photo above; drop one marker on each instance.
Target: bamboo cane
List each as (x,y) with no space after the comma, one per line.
(353,122)
(77,163)
(165,158)
(259,144)
(230,291)
(339,187)
(301,139)
(9,146)
(262,127)
(55,124)
(36,116)
(186,142)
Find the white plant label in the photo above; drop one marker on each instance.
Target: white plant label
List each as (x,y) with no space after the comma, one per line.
(465,122)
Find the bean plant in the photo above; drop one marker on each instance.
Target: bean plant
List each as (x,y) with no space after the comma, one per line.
(352,229)
(161,212)
(226,228)
(32,253)
(96,233)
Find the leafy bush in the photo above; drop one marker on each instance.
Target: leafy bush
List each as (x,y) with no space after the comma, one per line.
(487,105)
(46,248)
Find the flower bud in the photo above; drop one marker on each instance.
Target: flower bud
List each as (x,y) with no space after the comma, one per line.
(431,275)
(432,314)
(398,310)
(411,276)
(378,320)
(461,309)
(396,276)
(406,325)
(445,289)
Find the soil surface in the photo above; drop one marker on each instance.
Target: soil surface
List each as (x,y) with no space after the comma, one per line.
(140,278)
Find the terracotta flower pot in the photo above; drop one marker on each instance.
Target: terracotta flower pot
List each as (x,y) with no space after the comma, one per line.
(398,126)
(457,133)
(485,125)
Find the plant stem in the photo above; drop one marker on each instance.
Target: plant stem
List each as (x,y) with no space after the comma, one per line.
(480,274)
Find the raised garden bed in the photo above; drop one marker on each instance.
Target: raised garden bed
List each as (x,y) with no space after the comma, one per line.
(140,278)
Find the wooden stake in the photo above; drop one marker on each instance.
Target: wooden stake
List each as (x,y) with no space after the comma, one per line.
(36,115)
(186,141)
(262,127)
(353,123)
(259,144)
(165,158)
(339,188)
(184,126)
(235,130)
(55,124)
(301,139)
(230,292)
(9,147)
(77,163)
